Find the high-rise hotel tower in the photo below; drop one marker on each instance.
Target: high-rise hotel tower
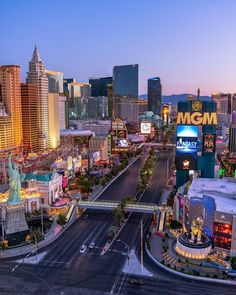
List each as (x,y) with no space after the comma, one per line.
(154,95)
(10,108)
(38,77)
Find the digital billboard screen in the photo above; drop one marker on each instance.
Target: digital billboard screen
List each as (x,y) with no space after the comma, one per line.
(186,161)
(186,144)
(121,134)
(209,143)
(186,131)
(145,128)
(123,143)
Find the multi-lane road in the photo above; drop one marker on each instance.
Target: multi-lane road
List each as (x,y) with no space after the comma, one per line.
(63,270)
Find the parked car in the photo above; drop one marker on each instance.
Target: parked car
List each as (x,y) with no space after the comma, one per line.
(136,282)
(83,249)
(92,245)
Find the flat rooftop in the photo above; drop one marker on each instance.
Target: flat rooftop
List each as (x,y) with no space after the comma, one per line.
(222,190)
(66,132)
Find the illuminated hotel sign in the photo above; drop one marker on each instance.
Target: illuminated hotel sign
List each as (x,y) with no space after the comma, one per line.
(196,118)
(118,125)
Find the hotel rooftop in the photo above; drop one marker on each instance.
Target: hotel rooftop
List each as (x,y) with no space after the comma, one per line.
(222,190)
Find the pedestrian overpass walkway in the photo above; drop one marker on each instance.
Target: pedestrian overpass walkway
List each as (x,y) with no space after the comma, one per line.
(111,205)
(159,144)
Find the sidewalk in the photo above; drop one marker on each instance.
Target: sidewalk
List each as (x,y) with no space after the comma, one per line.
(54,232)
(165,195)
(133,266)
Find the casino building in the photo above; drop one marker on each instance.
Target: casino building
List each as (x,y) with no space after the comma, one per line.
(214,200)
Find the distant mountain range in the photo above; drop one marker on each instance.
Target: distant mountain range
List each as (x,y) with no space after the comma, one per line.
(175,98)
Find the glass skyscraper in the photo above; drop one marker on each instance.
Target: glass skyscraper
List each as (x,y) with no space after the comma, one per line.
(125,80)
(99,86)
(154,95)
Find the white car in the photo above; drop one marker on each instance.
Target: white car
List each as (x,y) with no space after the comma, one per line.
(92,245)
(83,249)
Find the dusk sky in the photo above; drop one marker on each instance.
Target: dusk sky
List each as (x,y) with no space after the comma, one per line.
(188,43)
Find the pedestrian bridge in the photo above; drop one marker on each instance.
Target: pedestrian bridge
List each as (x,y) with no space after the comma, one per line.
(111,205)
(159,144)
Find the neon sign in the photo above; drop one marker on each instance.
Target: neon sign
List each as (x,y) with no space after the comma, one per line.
(197,118)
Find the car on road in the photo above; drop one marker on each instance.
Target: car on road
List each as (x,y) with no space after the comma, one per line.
(136,282)
(83,249)
(92,245)
(85,216)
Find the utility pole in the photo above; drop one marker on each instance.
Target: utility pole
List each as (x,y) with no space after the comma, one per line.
(42,219)
(36,240)
(3,219)
(167,169)
(141,245)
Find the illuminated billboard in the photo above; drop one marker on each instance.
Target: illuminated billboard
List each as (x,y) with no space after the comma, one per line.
(186,145)
(186,161)
(122,143)
(209,143)
(118,125)
(145,128)
(121,134)
(186,131)
(196,118)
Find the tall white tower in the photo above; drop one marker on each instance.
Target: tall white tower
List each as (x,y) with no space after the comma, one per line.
(38,76)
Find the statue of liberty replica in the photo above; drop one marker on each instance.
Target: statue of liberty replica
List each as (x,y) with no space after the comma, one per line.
(15,224)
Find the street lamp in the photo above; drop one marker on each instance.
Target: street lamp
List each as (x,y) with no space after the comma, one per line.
(36,240)
(126,246)
(3,219)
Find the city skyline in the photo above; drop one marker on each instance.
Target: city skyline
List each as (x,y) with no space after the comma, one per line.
(118,147)
(175,41)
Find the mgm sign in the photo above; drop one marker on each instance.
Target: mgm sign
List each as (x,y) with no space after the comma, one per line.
(197,116)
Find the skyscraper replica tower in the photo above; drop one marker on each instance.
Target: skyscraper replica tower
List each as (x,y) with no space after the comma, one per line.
(38,77)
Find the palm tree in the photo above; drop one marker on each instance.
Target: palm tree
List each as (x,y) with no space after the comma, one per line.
(140,188)
(117,216)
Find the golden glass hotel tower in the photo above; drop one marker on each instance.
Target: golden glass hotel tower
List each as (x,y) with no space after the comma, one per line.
(30,116)
(10,114)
